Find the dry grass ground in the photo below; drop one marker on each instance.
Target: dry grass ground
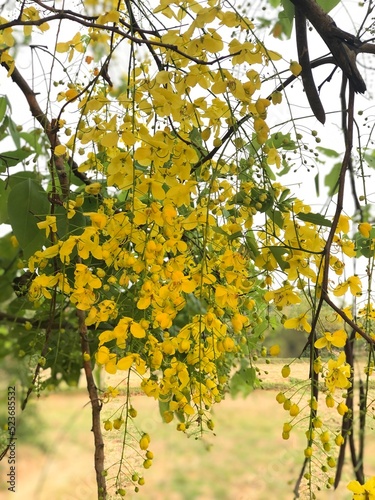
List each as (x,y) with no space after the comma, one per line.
(248,459)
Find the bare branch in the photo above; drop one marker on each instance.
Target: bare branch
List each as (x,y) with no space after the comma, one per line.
(96,407)
(50,128)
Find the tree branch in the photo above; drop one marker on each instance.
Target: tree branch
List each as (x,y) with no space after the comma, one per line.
(96,409)
(343,45)
(62,15)
(50,128)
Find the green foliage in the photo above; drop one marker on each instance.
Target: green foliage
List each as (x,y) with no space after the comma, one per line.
(27,205)
(244,381)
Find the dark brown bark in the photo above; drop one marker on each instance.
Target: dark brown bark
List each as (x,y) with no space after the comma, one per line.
(96,407)
(343,45)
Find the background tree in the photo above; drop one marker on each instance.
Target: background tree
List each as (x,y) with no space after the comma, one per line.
(151,232)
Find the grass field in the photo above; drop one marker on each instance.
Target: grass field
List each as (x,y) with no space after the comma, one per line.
(247,459)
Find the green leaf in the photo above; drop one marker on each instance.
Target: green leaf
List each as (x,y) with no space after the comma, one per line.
(33,139)
(18,177)
(251,244)
(365,246)
(317,219)
(6,290)
(328,5)
(4,132)
(253,146)
(278,253)
(244,381)
(316,182)
(218,230)
(69,226)
(332,178)
(259,329)
(331,153)
(276,217)
(14,132)
(284,195)
(239,198)
(281,141)
(12,158)
(163,407)
(4,193)
(262,198)
(7,253)
(196,139)
(3,106)
(235,236)
(27,205)
(370,158)
(286,16)
(180,416)
(8,262)
(268,171)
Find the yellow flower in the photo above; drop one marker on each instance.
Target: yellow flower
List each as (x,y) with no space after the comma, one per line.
(261,129)
(74,44)
(67,248)
(14,241)
(299,323)
(110,393)
(93,188)
(273,157)
(318,364)
(295,68)
(283,296)
(342,408)
(336,339)
(104,357)
(338,374)
(49,225)
(39,287)
(343,224)
(353,283)
(363,491)
(107,310)
(108,425)
(31,14)
(6,36)
(144,442)
(83,276)
(83,298)
(347,246)
(274,350)
(109,17)
(364,228)
(238,322)
(60,150)
(126,362)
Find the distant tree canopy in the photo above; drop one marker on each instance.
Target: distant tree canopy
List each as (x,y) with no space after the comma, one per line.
(151,230)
